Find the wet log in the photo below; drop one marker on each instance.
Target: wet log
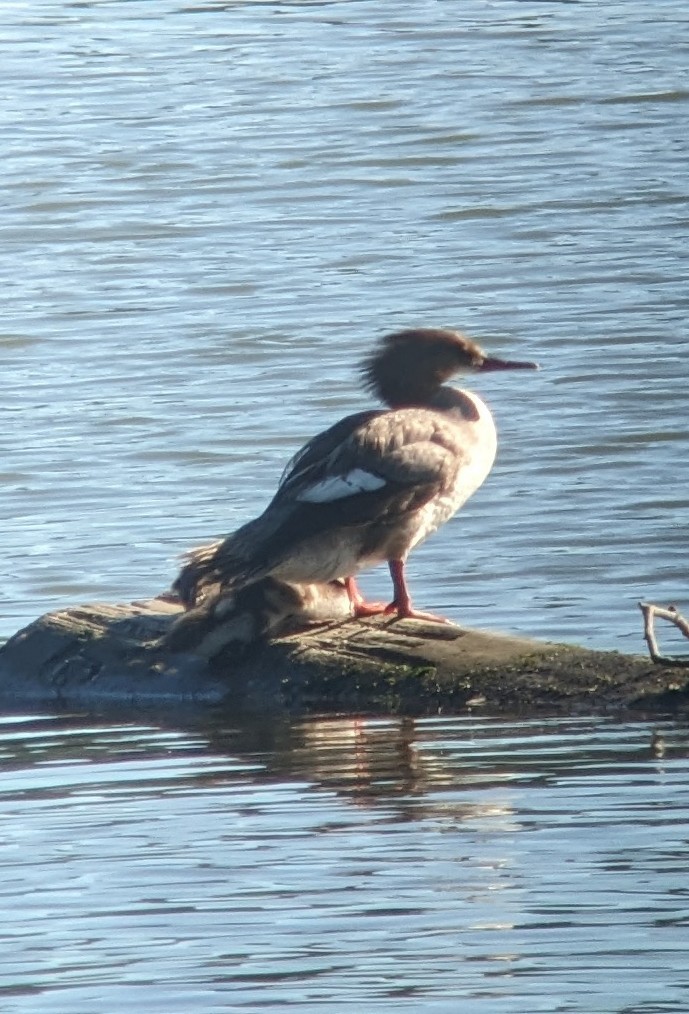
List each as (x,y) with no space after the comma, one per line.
(110,656)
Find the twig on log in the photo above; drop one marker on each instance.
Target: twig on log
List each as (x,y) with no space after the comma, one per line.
(649,612)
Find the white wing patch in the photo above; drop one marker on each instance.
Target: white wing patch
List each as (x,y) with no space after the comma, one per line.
(338,487)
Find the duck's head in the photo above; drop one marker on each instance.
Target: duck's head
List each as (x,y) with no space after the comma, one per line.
(409,367)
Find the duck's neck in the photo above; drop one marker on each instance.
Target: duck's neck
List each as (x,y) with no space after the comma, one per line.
(457,402)
(409,391)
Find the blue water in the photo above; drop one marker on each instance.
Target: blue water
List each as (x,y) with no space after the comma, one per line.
(211,212)
(393,864)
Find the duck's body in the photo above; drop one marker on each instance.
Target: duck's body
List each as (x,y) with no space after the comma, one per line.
(374,485)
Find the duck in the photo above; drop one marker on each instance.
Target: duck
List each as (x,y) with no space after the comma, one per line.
(230,623)
(373,486)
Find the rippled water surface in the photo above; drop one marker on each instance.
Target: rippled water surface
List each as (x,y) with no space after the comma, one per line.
(397,864)
(210,211)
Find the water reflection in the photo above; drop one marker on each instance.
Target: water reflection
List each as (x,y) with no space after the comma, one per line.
(364,759)
(516,865)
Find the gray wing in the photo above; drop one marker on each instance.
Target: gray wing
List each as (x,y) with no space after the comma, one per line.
(320,447)
(396,451)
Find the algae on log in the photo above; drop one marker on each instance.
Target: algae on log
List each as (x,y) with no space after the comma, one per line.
(103,655)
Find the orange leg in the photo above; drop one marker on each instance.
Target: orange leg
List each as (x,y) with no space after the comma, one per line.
(401,604)
(360,607)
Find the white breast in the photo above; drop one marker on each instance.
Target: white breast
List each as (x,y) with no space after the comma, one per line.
(479,442)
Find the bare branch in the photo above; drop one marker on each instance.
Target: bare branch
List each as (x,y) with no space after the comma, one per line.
(670,613)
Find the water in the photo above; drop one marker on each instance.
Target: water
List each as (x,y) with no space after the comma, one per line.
(210,211)
(517,866)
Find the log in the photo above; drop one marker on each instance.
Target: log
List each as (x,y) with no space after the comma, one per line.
(103,656)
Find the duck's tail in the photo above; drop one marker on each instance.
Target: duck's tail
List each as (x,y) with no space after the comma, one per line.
(225,565)
(199,577)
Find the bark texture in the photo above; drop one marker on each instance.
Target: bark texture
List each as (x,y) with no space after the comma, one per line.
(100,656)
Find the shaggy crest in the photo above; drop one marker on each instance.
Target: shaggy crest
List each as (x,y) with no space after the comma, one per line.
(408,367)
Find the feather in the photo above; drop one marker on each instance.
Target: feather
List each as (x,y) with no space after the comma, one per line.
(338,487)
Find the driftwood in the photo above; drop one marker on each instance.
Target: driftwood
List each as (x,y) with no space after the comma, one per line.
(105,656)
(649,611)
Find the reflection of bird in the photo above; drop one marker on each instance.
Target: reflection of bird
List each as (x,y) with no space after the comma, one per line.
(657,744)
(372,486)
